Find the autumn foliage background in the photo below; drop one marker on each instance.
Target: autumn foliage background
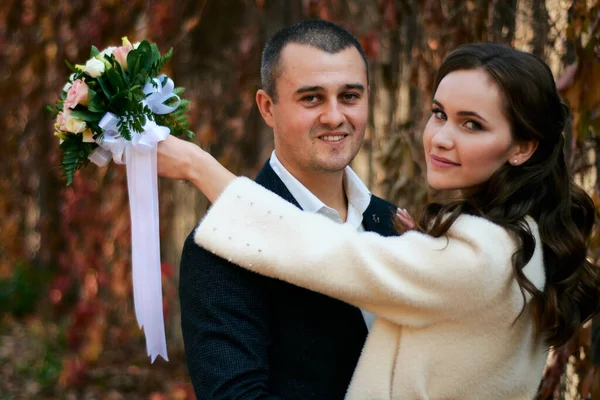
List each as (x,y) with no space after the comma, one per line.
(67,327)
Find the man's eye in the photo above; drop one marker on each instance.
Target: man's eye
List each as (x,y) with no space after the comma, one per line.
(351,96)
(310,99)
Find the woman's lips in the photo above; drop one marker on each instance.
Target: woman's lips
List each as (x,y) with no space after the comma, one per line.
(442,162)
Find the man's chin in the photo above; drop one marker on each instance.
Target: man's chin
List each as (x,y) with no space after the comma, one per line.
(330,168)
(335,164)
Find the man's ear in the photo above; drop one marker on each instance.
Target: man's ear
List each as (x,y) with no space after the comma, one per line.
(522,151)
(266,107)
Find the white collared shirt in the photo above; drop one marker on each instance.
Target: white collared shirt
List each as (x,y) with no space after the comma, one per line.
(357,193)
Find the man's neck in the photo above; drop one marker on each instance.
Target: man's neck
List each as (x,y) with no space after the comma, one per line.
(327,187)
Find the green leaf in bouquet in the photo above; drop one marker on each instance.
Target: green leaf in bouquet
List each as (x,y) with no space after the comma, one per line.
(139,62)
(94,51)
(177,121)
(126,100)
(87,116)
(93,125)
(75,155)
(53,112)
(123,73)
(134,58)
(161,61)
(153,61)
(155,52)
(115,79)
(72,67)
(124,131)
(106,88)
(95,102)
(134,119)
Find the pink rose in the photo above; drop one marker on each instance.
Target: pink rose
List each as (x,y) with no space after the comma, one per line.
(120,54)
(61,119)
(77,94)
(66,123)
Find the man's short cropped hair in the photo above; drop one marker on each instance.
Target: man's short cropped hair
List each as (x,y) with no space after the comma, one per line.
(323,35)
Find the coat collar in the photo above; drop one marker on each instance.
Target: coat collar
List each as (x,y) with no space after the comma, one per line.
(269,180)
(378,217)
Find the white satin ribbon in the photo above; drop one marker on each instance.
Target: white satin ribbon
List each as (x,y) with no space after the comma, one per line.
(140,157)
(157,94)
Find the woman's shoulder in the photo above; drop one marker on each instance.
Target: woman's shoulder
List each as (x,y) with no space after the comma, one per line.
(478,229)
(491,241)
(483,228)
(498,243)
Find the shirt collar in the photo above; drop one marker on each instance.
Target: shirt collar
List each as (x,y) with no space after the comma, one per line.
(358,195)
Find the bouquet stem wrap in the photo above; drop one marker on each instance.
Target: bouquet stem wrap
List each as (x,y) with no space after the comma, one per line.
(140,157)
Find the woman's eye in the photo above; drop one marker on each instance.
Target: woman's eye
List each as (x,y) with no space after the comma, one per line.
(473,125)
(439,114)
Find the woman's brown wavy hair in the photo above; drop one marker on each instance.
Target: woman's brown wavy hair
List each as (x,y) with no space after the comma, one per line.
(541,188)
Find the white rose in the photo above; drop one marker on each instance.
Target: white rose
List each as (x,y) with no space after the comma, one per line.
(94,67)
(75,125)
(106,52)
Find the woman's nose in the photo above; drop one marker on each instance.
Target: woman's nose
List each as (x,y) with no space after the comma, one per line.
(443,138)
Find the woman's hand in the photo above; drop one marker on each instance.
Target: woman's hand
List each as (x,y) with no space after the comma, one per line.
(405,218)
(181,160)
(176,158)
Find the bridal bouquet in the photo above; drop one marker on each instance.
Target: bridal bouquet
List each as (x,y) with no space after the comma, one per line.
(117,106)
(115,98)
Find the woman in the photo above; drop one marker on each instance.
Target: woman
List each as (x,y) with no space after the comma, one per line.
(469,303)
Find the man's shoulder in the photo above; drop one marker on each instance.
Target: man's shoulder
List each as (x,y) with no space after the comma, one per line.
(379,217)
(382,204)
(266,178)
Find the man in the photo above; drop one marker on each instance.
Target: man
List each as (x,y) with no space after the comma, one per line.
(251,337)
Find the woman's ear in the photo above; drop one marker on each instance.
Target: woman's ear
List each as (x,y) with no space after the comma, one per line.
(266,107)
(522,151)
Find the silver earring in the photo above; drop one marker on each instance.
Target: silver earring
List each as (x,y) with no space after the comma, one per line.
(515,161)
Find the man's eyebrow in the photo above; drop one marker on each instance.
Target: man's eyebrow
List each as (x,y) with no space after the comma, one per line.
(462,113)
(305,89)
(355,86)
(350,86)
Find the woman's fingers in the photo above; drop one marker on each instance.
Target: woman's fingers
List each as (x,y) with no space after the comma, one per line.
(405,218)
(173,158)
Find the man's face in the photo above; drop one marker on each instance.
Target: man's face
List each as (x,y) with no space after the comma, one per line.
(320,116)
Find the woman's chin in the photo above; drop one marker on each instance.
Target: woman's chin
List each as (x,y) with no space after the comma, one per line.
(436,185)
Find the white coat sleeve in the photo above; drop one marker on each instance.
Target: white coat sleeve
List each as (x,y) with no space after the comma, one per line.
(413,279)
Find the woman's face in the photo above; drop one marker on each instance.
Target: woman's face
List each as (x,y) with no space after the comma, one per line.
(467,137)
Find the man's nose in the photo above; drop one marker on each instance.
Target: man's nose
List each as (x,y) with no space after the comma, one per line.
(332,115)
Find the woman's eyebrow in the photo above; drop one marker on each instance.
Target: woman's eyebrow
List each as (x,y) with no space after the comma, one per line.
(462,113)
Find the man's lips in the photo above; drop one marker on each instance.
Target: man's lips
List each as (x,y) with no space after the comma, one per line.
(441,161)
(333,137)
